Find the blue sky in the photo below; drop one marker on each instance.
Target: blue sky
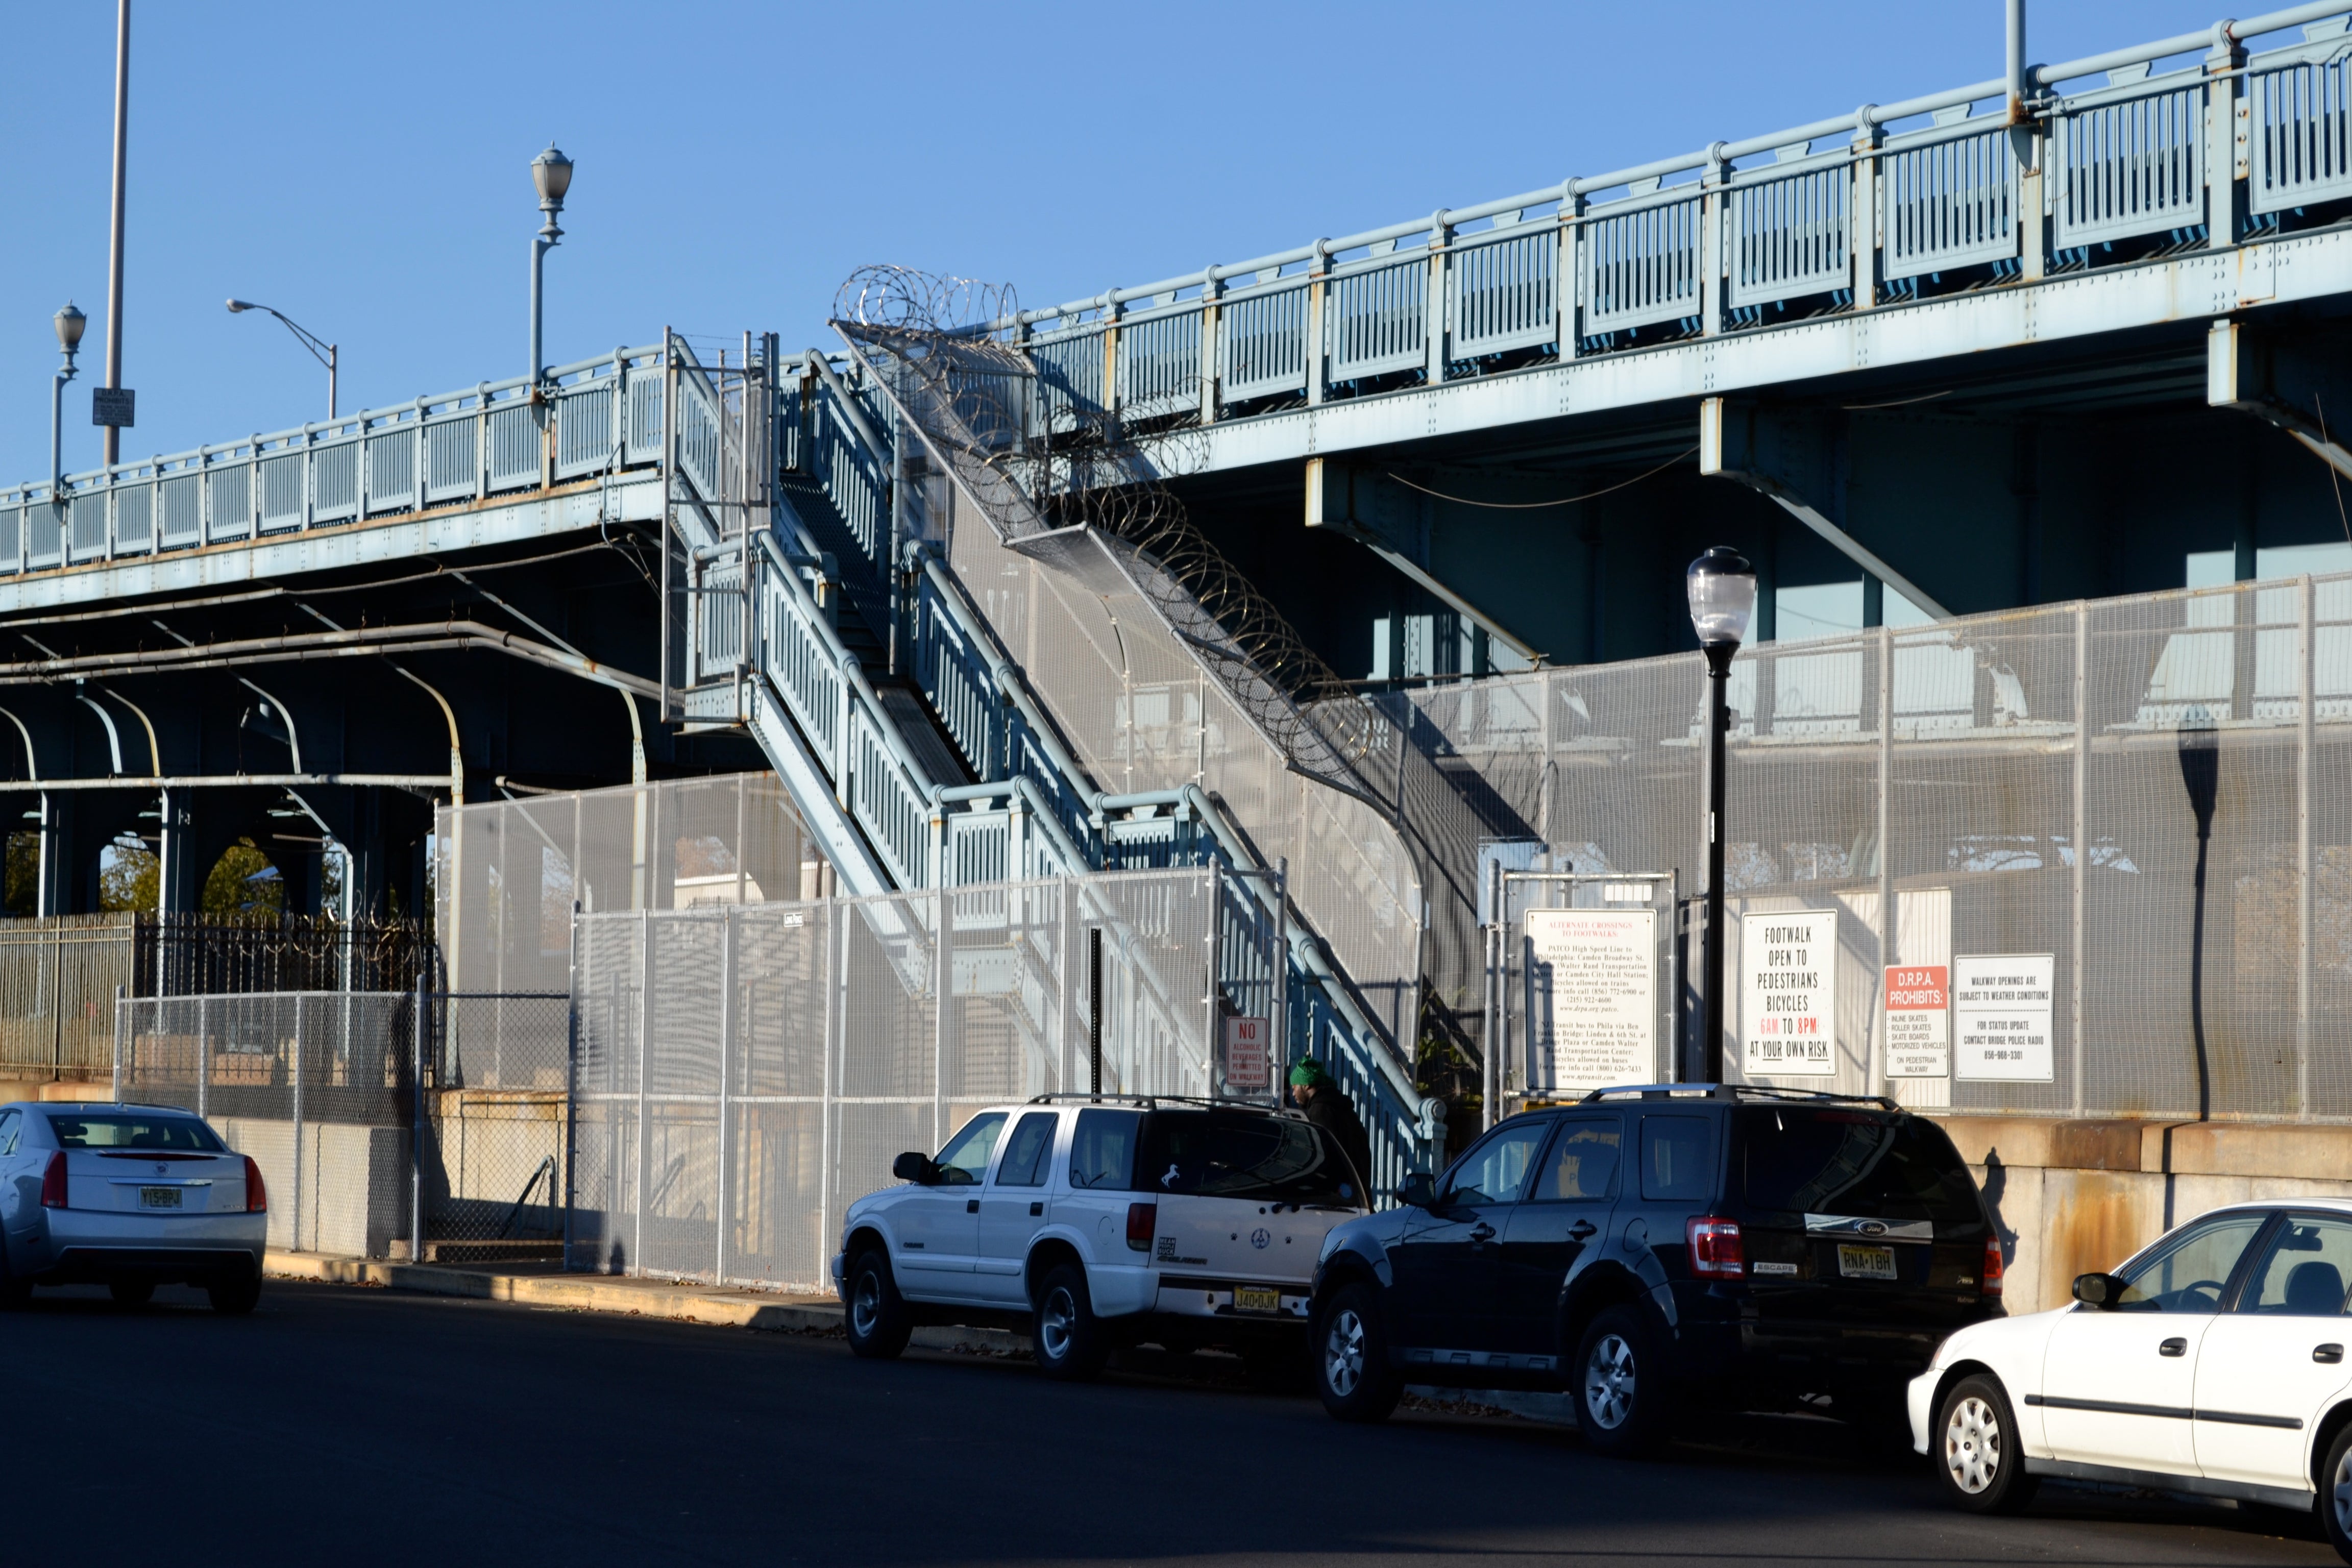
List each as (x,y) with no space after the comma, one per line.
(364,169)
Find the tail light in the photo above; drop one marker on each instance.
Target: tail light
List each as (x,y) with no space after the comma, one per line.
(53,1182)
(257,1197)
(1992,1266)
(1714,1249)
(1142,1218)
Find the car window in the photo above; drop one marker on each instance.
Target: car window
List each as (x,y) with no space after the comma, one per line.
(2305,1270)
(1677,1158)
(129,1129)
(1102,1150)
(965,1159)
(1493,1172)
(12,1122)
(1244,1155)
(1864,1164)
(1582,1163)
(2187,1272)
(1026,1151)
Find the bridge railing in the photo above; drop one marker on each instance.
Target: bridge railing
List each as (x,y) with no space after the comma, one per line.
(2182,142)
(488,439)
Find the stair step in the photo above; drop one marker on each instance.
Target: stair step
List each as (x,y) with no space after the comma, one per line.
(932,749)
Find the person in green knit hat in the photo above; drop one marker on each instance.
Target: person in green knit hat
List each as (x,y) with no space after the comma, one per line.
(1318,1095)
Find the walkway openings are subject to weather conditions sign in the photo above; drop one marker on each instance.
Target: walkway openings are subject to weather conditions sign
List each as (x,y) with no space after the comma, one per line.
(1788,986)
(1592,998)
(1918,1021)
(2000,1016)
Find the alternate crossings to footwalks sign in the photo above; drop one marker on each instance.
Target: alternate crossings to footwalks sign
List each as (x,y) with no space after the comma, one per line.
(1592,998)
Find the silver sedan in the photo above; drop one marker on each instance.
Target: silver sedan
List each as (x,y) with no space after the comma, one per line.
(128,1197)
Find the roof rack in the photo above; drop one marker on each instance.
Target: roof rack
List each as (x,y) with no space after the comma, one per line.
(1736,1091)
(1148,1101)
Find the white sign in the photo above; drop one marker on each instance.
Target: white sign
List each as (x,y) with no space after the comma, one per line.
(1918,1021)
(2000,1016)
(1592,980)
(1247,1064)
(1788,981)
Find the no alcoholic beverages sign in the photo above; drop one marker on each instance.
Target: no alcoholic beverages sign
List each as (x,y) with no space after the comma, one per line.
(1788,984)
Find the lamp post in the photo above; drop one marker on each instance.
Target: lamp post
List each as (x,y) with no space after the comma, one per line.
(551,172)
(324,352)
(1722,588)
(68,323)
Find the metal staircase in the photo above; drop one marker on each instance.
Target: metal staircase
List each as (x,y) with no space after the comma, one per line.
(812,572)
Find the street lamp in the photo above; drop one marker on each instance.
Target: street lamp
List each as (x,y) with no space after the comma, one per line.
(324,352)
(68,323)
(1722,587)
(551,172)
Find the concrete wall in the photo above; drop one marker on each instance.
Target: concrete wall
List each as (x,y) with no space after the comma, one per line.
(2072,1197)
(354,1187)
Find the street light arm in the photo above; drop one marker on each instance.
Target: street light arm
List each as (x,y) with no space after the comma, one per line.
(320,348)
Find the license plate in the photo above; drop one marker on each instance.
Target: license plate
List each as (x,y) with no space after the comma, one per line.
(1866,1262)
(159,1197)
(1256,1299)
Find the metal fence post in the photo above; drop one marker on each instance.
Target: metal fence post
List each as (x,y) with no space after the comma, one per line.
(832,972)
(2081,831)
(417,1127)
(942,989)
(2307,738)
(115,1093)
(644,1062)
(1889,925)
(204,1057)
(572,1090)
(1216,955)
(726,1011)
(298,1121)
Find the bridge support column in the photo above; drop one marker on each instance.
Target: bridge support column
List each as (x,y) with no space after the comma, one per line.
(2282,385)
(179,880)
(1796,458)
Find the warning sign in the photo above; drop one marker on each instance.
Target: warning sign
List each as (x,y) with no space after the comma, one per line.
(2001,1017)
(1248,1066)
(1592,983)
(1918,1021)
(1788,985)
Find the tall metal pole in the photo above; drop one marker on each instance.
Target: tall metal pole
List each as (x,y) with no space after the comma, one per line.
(2015,74)
(114,247)
(417,1127)
(1710,1049)
(331,383)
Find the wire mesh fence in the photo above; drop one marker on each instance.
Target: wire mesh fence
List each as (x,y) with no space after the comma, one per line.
(746,1072)
(2117,834)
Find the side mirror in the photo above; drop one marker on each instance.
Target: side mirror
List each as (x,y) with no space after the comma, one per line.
(2100,1290)
(914,1166)
(1417,1191)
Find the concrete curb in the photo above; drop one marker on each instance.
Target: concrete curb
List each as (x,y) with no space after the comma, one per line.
(715,1307)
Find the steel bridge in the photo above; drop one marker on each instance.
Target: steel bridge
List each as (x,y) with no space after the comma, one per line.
(2070,334)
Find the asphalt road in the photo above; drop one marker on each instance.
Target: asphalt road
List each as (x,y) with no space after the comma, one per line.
(341,1425)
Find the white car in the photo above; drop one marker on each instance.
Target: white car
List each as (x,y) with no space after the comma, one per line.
(2213,1361)
(128,1197)
(1088,1221)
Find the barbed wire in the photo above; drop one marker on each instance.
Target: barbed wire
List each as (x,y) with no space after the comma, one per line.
(973,391)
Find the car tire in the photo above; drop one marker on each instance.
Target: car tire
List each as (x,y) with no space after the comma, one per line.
(235,1293)
(1978,1461)
(1065,1335)
(2333,1503)
(131,1292)
(1350,1367)
(874,1314)
(1622,1401)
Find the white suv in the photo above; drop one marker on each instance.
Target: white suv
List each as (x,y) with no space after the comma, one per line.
(1096,1220)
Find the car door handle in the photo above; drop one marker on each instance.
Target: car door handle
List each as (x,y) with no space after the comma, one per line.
(1582,1229)
(1036,1210)
(1482,1231)
(972,1206)
(2331,1354)
(2175,1346)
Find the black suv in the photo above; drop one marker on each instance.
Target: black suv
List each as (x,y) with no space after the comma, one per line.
(1659,1248)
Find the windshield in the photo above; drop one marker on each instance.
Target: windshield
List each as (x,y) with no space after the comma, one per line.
(120,1129)
(1237,1155)
(1858,1165)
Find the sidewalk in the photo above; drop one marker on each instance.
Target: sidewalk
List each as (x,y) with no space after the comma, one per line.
(717,1306)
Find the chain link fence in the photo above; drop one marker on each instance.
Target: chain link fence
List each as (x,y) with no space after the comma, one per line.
(2122,830)
(747,1072)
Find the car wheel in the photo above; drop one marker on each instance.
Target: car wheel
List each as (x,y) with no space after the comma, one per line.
(1352,1375)
(1621,1395)
(2333,1504)
(1065,1334)
(877,1317)
(1975,1446)
(235,1293)
(131,1292)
